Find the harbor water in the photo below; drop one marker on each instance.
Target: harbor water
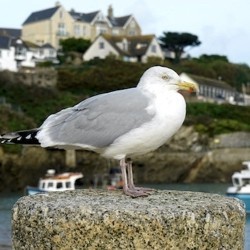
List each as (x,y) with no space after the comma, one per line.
(7,200)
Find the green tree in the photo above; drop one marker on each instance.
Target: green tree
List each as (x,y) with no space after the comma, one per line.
(177,42)
(211,58)
(75,44)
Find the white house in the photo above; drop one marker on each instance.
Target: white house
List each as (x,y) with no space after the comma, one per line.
(7,54)
(212,90)
(129,48)
(16,53)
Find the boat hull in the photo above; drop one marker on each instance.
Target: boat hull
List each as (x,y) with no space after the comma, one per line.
(243,197)
(33,190)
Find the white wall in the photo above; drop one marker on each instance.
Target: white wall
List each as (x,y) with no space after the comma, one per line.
(28,62)
(7,59)
(95,50)
(150,53)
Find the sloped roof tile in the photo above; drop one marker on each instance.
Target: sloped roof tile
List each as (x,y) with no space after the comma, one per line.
(84,17)
(41,15)
(10,32)
(211,82)
(119,21)
(5,42)
(137,45)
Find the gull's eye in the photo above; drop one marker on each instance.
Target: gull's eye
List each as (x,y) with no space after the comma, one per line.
(165,77)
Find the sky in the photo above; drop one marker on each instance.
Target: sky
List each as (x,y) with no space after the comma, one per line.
(222,26)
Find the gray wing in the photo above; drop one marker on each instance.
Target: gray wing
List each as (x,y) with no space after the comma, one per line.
(99,120)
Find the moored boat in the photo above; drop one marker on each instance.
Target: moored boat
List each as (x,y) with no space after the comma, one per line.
(241,185)
(52,182)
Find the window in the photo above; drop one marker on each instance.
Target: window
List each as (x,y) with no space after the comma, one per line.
(0,53)
(61,14)
(50,185)
(41,52)
(132,32)
(19,51)
(153,48)
(61,29)
(77,30)
(51,52)
(68,184)
(83,30)
(101,45)
(59,185)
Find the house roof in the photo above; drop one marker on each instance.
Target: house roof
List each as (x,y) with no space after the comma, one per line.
(10,32)
(119,21)
(41,15)
(84,17)
(137,45)
(31,45)
(47,46)
(5,42)
(211,82)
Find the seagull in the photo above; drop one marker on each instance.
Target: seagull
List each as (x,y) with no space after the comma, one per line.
(118,124)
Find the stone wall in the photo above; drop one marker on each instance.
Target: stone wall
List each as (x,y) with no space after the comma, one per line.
(43,77)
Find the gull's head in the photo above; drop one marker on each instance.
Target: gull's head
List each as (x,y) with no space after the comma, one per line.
(158,77)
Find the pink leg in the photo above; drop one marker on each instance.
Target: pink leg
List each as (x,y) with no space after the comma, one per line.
(128,184)
(131,180)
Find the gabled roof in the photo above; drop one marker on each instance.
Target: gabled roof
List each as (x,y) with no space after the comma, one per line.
(41,15)
(31,45)
(211,82)
(137,45)
(47,46)
(119,21)
(10,32)
(83,17)
(5,42)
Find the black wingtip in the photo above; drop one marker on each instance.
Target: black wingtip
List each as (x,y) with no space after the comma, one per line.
(20,137)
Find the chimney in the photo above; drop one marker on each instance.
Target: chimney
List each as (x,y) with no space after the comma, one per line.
(57,4)
(110,12)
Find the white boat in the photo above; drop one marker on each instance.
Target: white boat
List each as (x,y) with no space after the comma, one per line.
(55,182)
(241,185)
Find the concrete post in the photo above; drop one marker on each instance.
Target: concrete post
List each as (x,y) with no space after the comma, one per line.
(95,219)
(70,158)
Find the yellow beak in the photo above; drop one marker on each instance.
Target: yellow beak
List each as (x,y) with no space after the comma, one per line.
(189,86)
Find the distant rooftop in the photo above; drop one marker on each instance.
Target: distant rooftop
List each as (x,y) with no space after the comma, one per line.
(41,15)
(10,32)
(211,82)
(137,45)
(119,21)
(5,42)
(84,17)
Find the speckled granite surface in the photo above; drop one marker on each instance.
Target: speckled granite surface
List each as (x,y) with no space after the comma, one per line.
(95,219)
